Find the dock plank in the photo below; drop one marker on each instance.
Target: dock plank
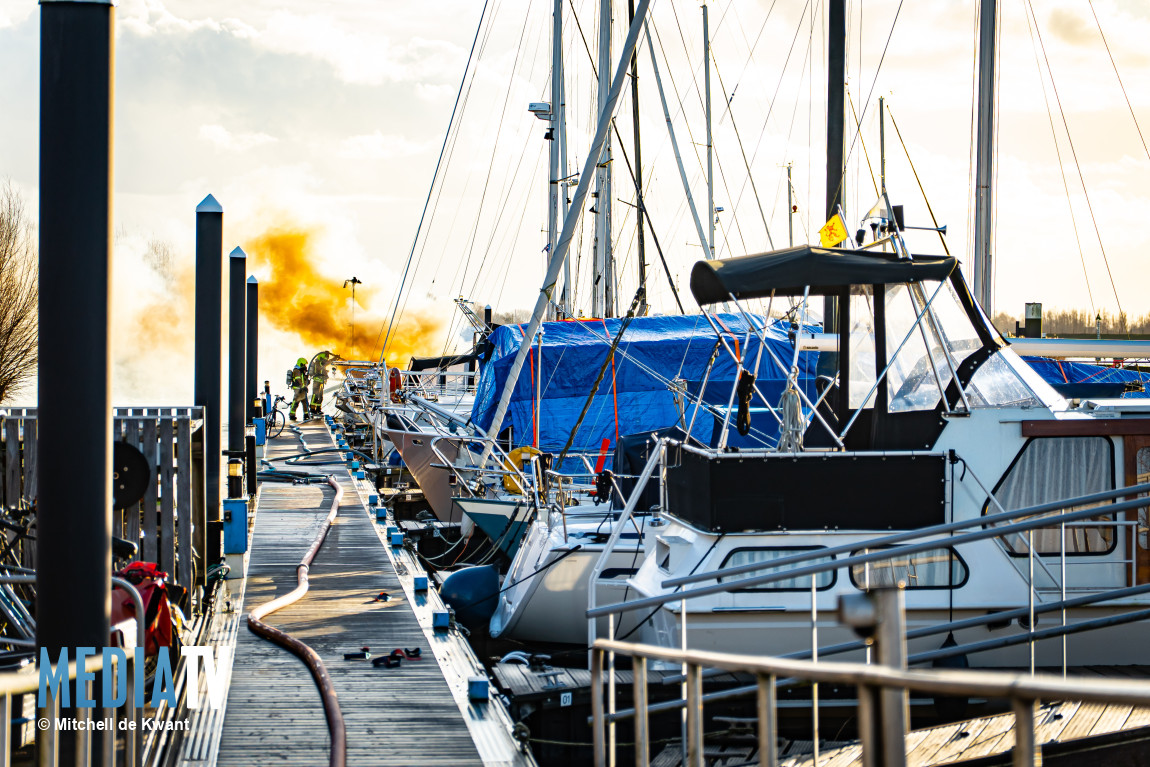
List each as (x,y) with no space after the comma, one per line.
(399,716)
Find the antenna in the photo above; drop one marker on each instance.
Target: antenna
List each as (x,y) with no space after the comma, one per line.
(353,282)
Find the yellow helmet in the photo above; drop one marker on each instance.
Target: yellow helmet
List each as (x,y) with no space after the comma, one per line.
(301,361)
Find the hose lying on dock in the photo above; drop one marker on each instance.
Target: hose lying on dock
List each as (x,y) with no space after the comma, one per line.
(309,656)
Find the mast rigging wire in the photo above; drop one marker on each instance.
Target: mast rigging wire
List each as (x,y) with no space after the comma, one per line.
(434,177)
(1061,169)
(866,104)
(1074,154)
(1120,85)
(941,236)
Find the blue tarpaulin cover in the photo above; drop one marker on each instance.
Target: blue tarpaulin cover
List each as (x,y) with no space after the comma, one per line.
(1061,373)
(653,352)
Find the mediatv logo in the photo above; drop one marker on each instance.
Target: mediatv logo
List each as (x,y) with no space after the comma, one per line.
(114,687)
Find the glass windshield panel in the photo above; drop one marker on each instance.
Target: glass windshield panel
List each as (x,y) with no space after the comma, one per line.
(1052,469)
(953,323)
(751,556)
(911,380)
(939,568)
(995,384)
(862,372)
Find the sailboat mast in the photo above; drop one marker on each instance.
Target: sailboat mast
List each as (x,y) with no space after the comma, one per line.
(790,209)
(642,311)
(594,158)
(602,289)
(836,115)
(984,164)
(710,145)
(553,151)
(568,293)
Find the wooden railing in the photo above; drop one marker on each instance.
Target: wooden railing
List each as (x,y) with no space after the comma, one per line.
(169,522)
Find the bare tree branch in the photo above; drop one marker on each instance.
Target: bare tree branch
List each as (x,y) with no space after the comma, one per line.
(19,294)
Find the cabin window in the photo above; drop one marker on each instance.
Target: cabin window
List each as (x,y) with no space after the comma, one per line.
(940,568)
(1051,469)
(862,372)
(995,384)
(750,556)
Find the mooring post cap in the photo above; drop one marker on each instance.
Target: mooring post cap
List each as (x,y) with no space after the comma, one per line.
(209,203)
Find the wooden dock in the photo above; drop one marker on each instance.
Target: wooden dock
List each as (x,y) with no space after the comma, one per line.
(1069,733)
(401,716)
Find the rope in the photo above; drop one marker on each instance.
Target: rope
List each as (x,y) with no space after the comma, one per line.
(614,383)
(534,415)
(791,431)
(599,379)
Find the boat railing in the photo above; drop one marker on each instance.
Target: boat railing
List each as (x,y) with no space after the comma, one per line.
(883,548)
(815,562)
(882,689)
(439,382)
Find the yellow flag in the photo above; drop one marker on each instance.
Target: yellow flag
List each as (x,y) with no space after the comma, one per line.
(833,232)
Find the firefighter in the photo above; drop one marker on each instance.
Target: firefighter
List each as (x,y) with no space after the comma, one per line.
(297,379)
(318,373)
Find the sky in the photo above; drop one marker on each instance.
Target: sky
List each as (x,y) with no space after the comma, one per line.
(328,119)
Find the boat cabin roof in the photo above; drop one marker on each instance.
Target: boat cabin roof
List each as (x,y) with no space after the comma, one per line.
(827,271)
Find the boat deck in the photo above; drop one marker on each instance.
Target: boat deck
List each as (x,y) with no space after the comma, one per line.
(413,714)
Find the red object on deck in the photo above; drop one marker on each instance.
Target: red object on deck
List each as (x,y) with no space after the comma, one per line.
(602,455)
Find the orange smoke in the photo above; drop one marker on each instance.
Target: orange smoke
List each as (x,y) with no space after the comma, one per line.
(298,299)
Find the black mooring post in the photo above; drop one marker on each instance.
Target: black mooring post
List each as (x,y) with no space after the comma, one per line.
(237,350)
(251,390)
(209,353)
(74,517)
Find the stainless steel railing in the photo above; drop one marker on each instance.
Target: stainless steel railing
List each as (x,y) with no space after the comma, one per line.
(882,689)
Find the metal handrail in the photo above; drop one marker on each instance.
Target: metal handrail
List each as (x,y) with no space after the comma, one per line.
(887,540)
(965,623)
(874,556)
(967,683)
(880,723)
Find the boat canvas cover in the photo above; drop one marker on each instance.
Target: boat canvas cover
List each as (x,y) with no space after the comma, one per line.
(790,271)
(634,395)
(1082,379)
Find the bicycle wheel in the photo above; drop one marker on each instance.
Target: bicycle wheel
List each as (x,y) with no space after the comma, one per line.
(276,423)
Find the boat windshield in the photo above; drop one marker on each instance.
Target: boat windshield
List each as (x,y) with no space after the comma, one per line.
(934,342)
(949,332)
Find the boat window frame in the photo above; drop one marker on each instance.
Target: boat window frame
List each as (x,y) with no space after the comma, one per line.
(771,588)
(1113,516)
(908,586)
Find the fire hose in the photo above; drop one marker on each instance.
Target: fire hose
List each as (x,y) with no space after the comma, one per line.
(309,656)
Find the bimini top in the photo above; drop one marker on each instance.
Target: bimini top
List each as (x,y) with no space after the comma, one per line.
(825,270)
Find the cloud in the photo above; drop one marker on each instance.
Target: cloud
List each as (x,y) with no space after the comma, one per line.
(222,138)
(1069,27)
(359,58)
(379,146)
(13,12)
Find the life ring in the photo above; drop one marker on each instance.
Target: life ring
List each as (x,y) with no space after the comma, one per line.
(395,384)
